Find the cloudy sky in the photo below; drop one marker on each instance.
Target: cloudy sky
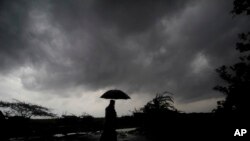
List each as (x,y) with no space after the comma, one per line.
(64,54)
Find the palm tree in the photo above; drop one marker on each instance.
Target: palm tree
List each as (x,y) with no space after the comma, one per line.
(162,102)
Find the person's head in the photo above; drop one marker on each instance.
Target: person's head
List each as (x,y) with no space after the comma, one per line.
(112,103)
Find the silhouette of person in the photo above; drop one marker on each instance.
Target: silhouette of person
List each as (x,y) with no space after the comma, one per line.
(109,133)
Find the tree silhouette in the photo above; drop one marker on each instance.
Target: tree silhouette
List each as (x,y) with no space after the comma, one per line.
(161,103)
(237,76)
(23,109)
(241,6)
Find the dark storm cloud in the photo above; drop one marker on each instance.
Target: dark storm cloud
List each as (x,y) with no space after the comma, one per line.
(126,16)
(13,17)
(139,46)
(15,48)
(137,16)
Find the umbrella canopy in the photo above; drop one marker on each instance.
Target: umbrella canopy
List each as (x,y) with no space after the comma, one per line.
(115,94)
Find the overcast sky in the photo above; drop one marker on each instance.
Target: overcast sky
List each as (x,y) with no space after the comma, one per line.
(64,54)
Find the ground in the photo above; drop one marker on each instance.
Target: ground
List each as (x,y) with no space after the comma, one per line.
(123,135)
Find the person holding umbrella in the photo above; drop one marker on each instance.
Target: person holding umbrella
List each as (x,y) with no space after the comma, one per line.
(109,133)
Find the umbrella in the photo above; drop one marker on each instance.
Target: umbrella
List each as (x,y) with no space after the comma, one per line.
(115,94)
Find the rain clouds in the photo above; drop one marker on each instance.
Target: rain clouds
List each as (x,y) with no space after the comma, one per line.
(141,47)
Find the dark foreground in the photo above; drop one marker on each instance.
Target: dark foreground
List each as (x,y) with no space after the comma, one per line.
(128,134)
(139,127)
